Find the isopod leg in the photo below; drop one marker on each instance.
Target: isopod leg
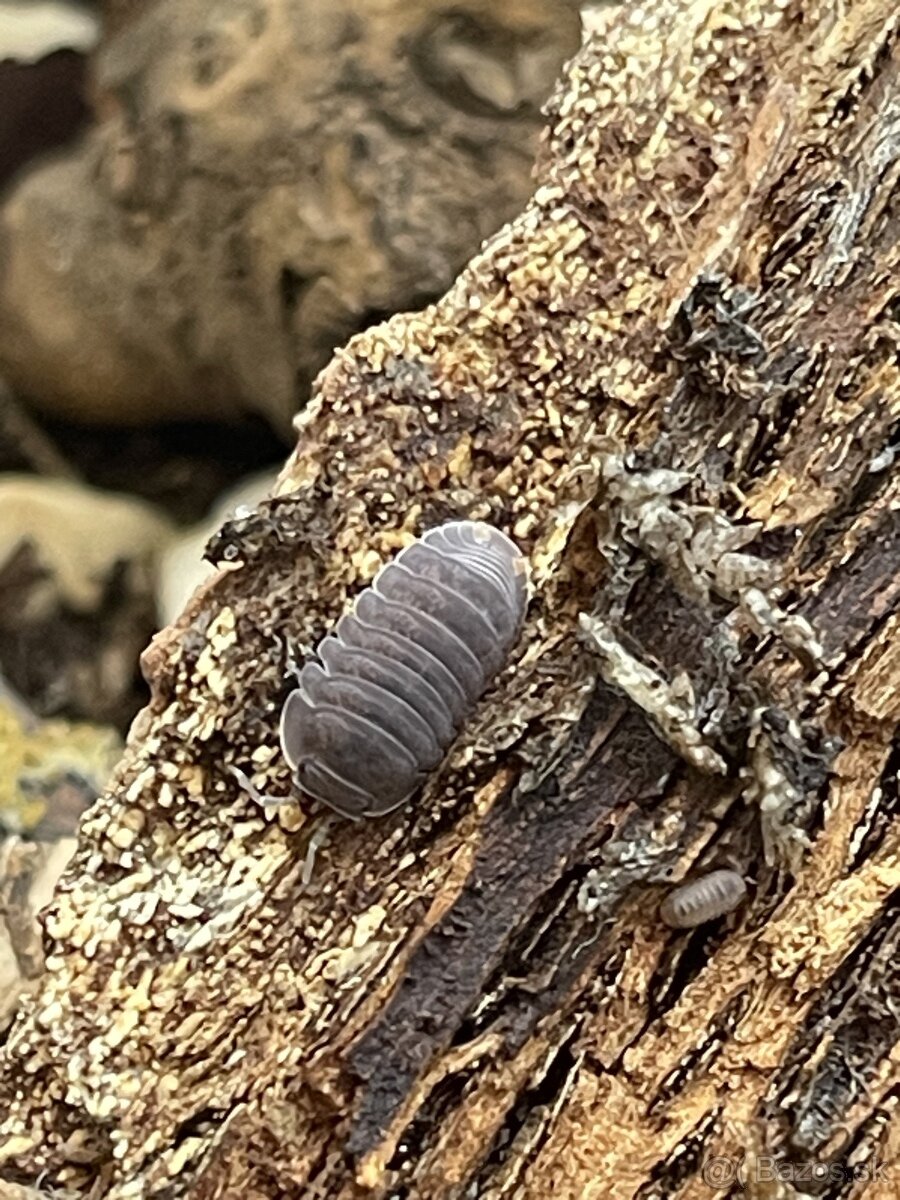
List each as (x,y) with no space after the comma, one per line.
(253,791)
(292,666)
(317,840)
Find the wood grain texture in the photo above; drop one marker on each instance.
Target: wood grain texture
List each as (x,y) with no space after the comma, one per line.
(673,380)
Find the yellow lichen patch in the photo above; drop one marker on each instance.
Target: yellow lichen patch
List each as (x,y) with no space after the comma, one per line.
(37,757)
(210,666)
(459,462)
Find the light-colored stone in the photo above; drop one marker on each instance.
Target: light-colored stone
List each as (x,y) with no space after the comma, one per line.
(31,29)
(78,535)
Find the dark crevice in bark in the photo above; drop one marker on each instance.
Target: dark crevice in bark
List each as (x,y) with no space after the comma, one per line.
(532,1107)
(695,1063)
(882,810)
(857,1019)
(669,1175)
(528,841)
(860,590)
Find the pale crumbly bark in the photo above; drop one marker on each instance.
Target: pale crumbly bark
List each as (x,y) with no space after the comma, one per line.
(691,328)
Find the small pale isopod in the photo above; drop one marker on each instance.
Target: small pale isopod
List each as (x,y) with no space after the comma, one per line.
(703,900)
(388,689)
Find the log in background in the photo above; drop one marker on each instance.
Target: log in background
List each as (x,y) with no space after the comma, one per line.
(693,327)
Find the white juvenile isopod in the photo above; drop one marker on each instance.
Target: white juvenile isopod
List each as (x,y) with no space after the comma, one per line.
(703,900)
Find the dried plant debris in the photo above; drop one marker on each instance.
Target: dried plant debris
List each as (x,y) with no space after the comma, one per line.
(453,1004)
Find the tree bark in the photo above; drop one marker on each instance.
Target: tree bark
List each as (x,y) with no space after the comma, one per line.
(674,380)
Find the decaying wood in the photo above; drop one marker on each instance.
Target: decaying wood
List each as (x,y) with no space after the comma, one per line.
(674,380)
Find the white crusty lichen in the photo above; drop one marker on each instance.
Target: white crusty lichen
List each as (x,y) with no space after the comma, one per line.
(703,553)
(670,706)
(768,785)
(643,851)
(702,550)
(794,630)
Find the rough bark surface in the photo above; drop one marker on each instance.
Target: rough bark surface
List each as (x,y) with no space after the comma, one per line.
(674,380)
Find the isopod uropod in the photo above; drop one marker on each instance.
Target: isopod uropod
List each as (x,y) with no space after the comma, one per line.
(388,689)
(713,895)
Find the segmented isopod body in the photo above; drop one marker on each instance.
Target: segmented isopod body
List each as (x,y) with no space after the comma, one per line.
(711,896)
(388,689)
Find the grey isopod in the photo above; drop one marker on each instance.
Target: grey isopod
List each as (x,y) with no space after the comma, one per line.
(388,689)
(711,896)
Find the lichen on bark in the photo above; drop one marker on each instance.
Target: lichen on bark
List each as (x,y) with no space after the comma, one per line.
(474,996)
